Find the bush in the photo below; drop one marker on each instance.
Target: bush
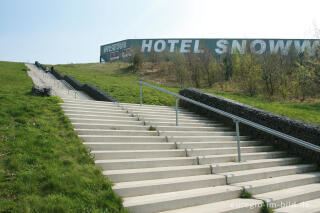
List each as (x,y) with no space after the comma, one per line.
(304,80)
(137,62)
(248,74)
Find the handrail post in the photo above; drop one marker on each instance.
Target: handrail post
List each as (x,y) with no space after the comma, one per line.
(140,94)
(236,119)
(177,122)
(238,141)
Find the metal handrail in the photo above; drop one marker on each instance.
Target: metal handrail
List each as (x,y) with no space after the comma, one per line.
(236,119)
(70,88)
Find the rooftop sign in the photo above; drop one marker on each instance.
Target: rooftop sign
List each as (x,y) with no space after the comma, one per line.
(216,46)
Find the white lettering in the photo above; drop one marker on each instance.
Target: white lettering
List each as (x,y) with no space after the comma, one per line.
(300,48)
(280,45)
(172,44)
(146,45)
(262,44)
(114,47)
(184,45)
(236,46)
(162,46)
(222,47)
(196,47)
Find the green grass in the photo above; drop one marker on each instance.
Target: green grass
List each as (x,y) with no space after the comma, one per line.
(245,194)
(44,167)
(266,209)
(304,111)
(152,128)
(115,79)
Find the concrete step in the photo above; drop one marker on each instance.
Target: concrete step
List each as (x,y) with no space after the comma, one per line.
(116,138)
(181,199)
(116,132)
(112,110)
(126,175)
(136,122)
(286,197)
(109,126)
(156,186)
(145,163)
(125,117)
(65,100)
(92,112)
(137,154)
(159,109)
(182,124)
(129,146)
(148,132)
(191,116)
(106,103)
(94,109)
(237,205)
(124,114)
(197,133)
(210,159)
(149,106)
(130,110)
(155,109)
(264,173)
(173,120)
(311,206)
(253,164)
(127,154)
(105,121)
(215,144)
(279,183)
(223,151)
(185,128)
(147,112)
(180,161)
(204,138)
(121,106)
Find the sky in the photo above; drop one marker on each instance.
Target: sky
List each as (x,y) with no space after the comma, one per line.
(71,31)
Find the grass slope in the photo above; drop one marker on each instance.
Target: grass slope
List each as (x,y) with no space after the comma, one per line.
(305,111)
(117,81)
(44,167)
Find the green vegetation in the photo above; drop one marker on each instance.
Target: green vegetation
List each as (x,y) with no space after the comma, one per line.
(265,208)
(304,111)
(245,194)
(118,80)
(152,128)
(137,62)
(273,76)
(43,165)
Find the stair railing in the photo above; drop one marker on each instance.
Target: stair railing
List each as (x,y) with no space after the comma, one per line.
(70,88)
(235,118)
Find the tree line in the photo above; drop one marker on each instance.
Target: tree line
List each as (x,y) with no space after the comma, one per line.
(294,76)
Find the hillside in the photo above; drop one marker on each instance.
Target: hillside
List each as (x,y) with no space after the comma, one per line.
(44,167)
(117,80)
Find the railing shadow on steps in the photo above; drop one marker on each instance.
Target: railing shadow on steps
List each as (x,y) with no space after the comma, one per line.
(235,118)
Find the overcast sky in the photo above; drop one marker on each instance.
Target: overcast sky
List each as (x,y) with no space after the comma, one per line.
(71,31)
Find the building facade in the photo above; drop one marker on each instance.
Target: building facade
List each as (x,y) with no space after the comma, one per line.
(122,50)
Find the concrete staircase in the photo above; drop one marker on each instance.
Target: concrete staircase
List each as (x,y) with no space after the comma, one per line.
(191,168)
